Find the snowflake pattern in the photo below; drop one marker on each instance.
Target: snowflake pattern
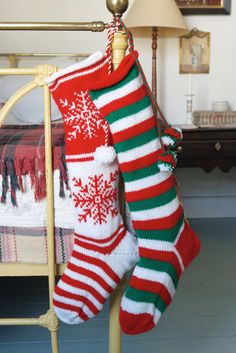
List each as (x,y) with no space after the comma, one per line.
(82,117)
(96,198)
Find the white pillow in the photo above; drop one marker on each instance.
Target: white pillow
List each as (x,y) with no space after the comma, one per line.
(30,109)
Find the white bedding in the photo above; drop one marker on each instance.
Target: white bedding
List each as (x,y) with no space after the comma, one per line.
(33,214)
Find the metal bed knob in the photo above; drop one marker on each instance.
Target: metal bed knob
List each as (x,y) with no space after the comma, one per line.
(117,7)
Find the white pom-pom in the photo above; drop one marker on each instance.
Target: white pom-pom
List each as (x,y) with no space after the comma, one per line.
(168,141)
(165,167)
(105,154)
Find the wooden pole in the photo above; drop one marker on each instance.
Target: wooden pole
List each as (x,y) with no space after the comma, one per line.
(154,60)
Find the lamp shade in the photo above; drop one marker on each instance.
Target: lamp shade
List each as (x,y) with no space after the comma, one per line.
(163,14)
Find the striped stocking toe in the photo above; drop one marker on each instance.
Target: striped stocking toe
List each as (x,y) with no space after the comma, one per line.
(155,277)
(95,269)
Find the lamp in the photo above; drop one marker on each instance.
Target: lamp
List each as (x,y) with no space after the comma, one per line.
(162,18)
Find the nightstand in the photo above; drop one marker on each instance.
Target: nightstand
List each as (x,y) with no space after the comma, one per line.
(208,148)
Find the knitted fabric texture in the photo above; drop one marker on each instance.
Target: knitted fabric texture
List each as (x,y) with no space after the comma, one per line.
(103,250)
(166,242)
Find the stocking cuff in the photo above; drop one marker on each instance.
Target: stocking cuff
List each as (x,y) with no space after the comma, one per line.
(103,155)
(91,60)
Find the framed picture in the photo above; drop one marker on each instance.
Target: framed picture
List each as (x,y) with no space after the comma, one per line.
(201,7)
(195,53)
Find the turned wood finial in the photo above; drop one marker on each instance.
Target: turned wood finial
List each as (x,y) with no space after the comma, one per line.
(117,7)
(119,42)
(119,46)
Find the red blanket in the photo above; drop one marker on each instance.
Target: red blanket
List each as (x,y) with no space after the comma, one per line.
(22,152)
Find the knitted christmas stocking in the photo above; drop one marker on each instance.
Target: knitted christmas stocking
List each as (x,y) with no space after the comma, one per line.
(103,249)
(166,242)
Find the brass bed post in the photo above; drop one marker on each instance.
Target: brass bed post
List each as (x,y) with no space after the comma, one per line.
(51,321)
(119,47)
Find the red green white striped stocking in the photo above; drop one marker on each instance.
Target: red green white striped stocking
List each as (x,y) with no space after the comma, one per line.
(166,242)
(103,249)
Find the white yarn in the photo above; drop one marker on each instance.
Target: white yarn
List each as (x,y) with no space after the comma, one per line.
(165,167)
(168,141)
(105,154)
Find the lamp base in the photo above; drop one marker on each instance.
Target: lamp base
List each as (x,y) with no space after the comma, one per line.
(189,126)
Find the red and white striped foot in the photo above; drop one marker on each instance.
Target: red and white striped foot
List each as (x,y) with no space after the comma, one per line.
(95,269)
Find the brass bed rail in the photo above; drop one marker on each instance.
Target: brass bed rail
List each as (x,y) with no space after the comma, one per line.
(119,46)
(95,26)
(14,57)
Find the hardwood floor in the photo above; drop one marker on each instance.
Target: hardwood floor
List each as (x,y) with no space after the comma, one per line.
(201,319)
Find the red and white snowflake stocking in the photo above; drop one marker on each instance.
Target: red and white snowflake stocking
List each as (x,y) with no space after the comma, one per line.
(103,250)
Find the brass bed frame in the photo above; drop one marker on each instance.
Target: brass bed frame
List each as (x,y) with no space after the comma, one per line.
(40,73)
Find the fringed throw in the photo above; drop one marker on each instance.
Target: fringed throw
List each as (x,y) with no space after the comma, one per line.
(22,153)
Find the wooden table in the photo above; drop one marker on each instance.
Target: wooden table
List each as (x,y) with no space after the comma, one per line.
(208,148)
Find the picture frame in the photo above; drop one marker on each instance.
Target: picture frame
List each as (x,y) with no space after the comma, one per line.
(194,52)
(204,7)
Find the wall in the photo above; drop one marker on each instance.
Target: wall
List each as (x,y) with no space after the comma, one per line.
(53,10)
(218,85)
(204,195)
(212,195)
